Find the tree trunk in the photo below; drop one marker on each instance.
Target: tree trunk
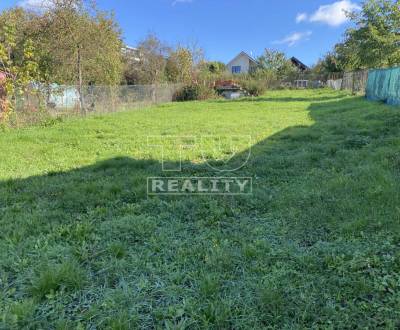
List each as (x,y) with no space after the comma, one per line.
(153,93)
(80,83)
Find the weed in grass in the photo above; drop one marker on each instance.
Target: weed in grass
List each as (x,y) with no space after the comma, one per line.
(272,304)
(216,314)
(122,321)
(19,314)
(210,285)
(118,250)
(67,276)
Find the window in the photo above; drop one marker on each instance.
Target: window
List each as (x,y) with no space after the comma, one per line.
(236,69)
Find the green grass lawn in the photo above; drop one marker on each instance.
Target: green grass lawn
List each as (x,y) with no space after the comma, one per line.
(317,245)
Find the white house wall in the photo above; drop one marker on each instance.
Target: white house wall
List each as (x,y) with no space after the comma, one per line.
(242,61)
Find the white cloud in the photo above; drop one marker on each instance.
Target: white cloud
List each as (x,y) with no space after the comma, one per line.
(34,4)
(294,38)
(181,1)
(301,17)
(333,14)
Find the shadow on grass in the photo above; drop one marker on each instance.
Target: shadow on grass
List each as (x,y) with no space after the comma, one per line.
(343,128)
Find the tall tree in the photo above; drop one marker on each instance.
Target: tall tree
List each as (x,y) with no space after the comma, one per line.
(83,45)
(375,39)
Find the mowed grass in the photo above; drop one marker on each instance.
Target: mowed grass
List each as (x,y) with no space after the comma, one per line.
(317,245)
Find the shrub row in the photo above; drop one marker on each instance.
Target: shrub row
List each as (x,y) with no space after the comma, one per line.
(253,87)
(194,92)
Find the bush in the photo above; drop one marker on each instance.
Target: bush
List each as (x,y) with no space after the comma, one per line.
(194,92)
(254,87)
(187,93)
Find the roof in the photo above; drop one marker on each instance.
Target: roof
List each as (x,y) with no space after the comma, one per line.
(130,48)
(243,54)
(299,64)
(227,85)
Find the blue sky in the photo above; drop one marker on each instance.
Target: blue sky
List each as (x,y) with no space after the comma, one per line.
(306,29)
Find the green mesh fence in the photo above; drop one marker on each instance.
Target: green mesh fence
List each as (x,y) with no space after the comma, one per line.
(384,85)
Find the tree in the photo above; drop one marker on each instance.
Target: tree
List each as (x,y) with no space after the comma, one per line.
(216,67)
(18,60)
(275,62)
(3,96)
(153,54)
(328,64)
(179,66)
(81,44)
(375,39)
(207,73)
(172,69)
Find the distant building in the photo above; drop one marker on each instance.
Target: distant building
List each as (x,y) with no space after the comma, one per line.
(131,53)
(299,64)
(242,63)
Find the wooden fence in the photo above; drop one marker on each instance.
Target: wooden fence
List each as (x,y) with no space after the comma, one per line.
(355,81)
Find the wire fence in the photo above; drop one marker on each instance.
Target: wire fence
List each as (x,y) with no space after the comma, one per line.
(41,102)
(99,99)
